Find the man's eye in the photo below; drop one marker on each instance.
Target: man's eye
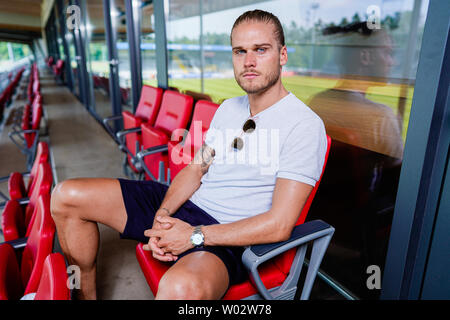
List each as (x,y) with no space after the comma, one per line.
(240,51)
(261,50)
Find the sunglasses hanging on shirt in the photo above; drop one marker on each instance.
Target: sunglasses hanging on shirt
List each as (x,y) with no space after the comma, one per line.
(248,127)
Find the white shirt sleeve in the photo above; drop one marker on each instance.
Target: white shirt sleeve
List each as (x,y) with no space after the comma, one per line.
(303,152)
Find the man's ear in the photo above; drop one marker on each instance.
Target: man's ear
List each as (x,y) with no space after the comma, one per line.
(283,56)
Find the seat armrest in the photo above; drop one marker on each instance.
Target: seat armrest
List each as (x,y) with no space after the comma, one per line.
(14,133)
(152,150)
(146,152)
(120,137)
(21,201)
(123,133)
(107,119)
(17,244)
(318,232)
(109,129)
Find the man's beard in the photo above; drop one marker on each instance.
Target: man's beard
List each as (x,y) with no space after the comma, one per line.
(271,79)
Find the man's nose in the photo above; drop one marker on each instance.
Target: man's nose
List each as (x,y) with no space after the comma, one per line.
(250,60)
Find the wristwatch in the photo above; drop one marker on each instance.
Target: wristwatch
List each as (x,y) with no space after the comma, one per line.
(197,237)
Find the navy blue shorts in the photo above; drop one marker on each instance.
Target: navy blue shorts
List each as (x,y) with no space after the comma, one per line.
(143,198)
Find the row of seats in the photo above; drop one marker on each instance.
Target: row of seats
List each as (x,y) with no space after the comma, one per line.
(27,120)
(28,267)
(151,143)
(7,94)
(147,136)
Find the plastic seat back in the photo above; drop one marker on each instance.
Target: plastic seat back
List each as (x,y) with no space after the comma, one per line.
(43,185)
(146,111)
(36,115)
(42,155)
(10,282)
(180,155)
(13,224)
(36,86)
(149,103)
(39,245)
(175,111)
(53,283)
(59,66)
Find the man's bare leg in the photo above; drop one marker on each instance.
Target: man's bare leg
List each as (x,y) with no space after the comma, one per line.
(199,275)
(77,205)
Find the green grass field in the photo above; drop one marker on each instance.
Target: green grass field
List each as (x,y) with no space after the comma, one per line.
(303,87)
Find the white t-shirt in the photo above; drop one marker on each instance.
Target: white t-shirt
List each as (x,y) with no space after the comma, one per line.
(289,142)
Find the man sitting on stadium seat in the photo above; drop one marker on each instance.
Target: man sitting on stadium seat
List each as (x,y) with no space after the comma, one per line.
(231,195)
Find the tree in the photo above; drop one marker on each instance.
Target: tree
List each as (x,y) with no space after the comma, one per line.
(356,17)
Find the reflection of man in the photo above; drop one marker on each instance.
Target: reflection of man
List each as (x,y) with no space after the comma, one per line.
(210,210)
(361,53)
(359,187)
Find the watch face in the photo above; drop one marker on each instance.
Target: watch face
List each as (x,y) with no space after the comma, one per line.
(197,239)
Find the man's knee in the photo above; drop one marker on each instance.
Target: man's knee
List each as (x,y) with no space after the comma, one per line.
(183,286)
(66,194)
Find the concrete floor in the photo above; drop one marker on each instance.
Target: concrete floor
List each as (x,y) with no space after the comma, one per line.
(80,147)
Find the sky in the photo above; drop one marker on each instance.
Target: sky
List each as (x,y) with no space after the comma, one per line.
(288,10)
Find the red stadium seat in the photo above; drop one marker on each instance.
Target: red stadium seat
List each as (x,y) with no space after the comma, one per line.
(58,68)
(16,185)
(50,61)
(10,282)
(29,131)
(180,155)
(146,112)
(53,283)
(175,112)
(272,273)
(15,220)
(38,246)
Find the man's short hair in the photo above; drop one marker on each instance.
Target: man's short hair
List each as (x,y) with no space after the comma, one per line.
(262,16)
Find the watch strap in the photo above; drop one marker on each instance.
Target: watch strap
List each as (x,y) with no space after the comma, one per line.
(198,230)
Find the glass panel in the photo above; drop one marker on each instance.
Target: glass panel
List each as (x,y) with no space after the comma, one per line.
(183,47)
(97,58)
(148,44)
(70,40)
(73,61)
(62,56)
(354,63)
(119,25)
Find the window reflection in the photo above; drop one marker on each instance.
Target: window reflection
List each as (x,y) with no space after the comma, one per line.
(358,189)
(362,56)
